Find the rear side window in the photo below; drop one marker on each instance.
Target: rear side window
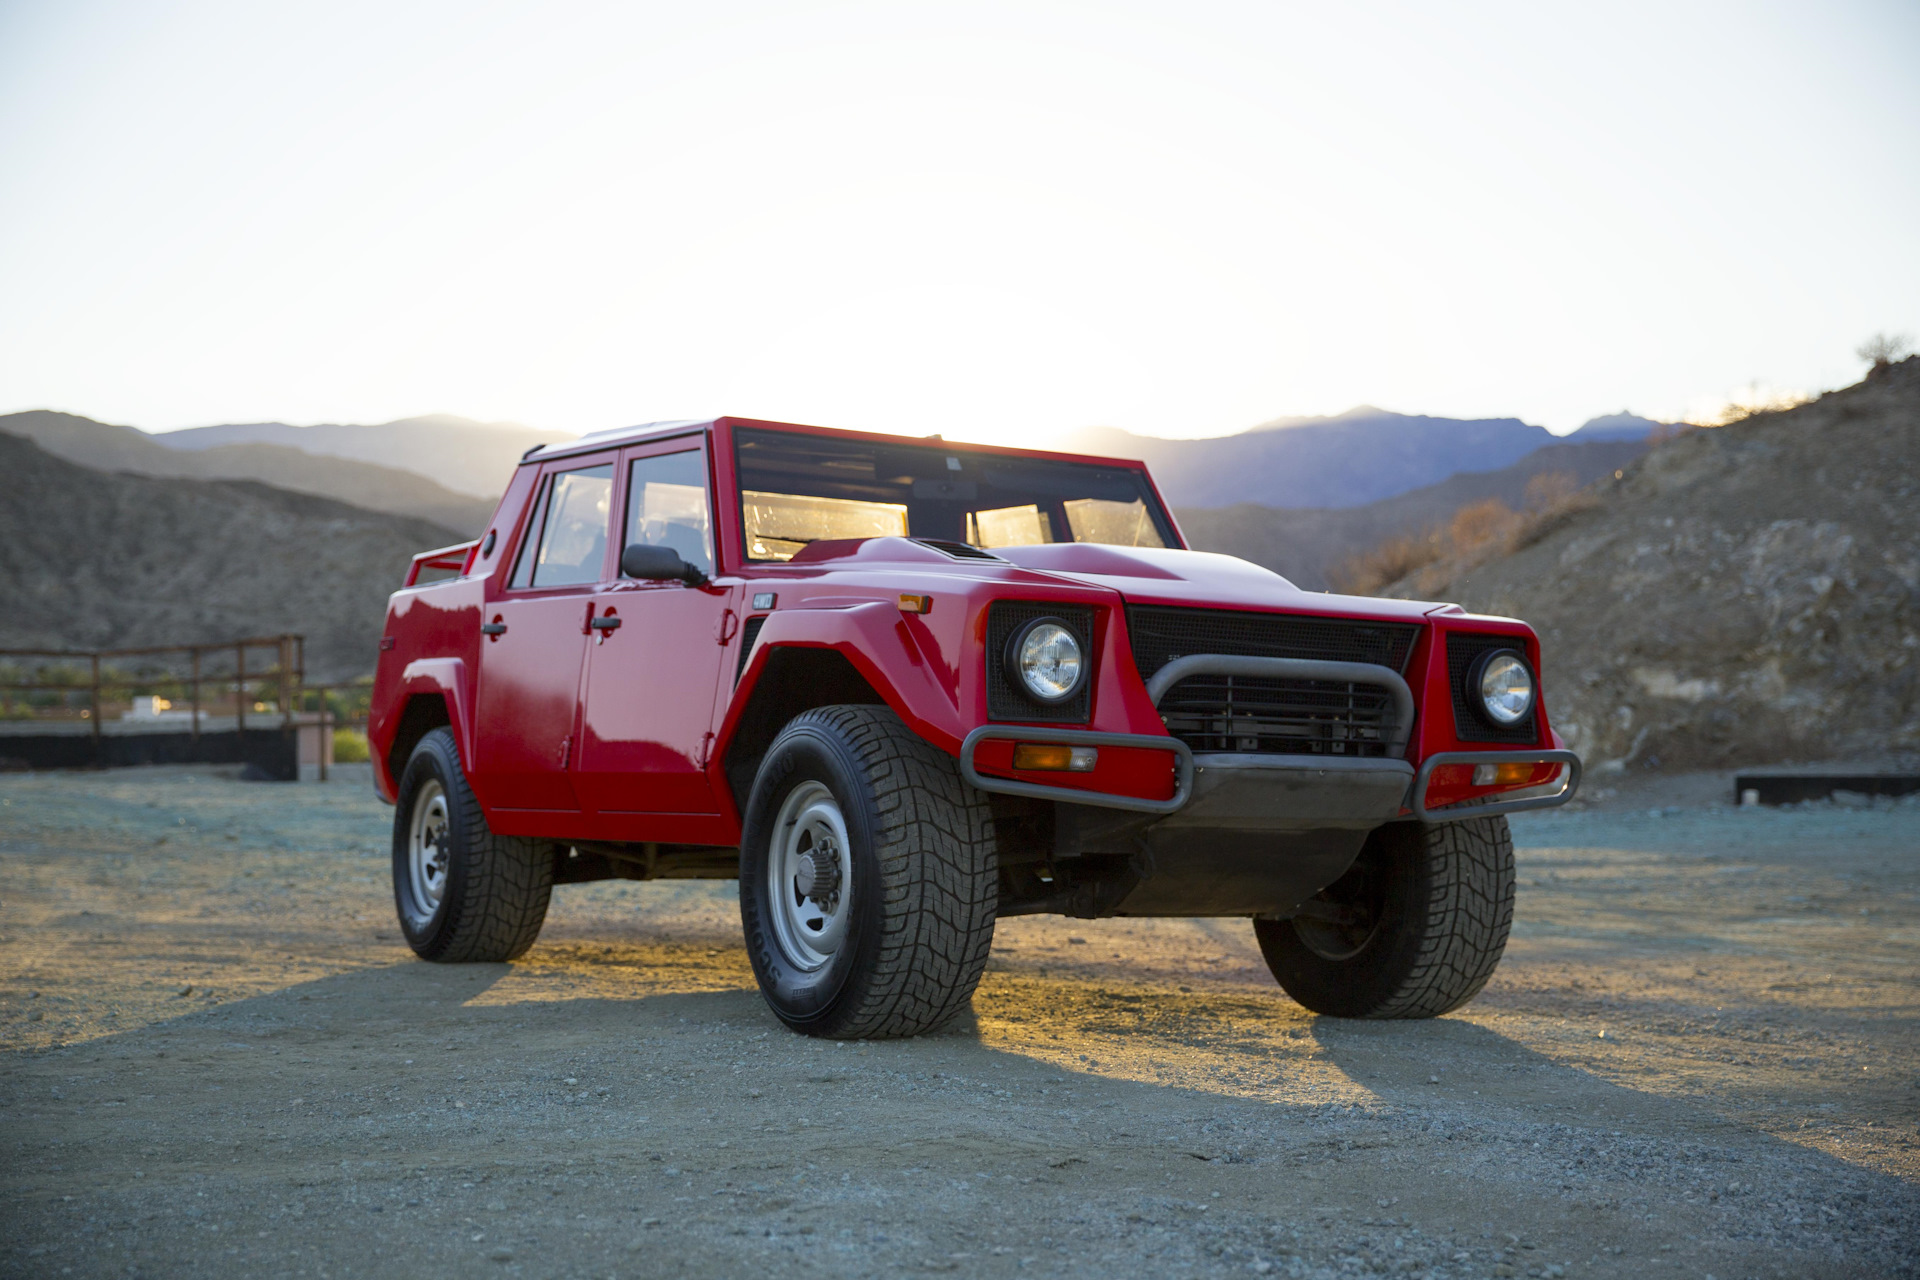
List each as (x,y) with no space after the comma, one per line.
(566,543)
(667,506)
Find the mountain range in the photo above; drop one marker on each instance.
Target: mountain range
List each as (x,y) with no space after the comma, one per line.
(107,447)
(1298,495)
(1348,460)
(399,479)
(461,454)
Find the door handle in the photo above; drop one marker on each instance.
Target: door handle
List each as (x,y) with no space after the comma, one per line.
(493,628)
(609,623)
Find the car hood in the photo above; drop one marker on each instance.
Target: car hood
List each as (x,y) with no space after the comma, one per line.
(1201,579)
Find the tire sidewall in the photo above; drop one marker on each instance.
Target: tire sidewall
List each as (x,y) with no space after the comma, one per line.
(810,1000)
(434,759)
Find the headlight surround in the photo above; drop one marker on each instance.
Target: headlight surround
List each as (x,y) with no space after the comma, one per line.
(1047,661)
(1502,685)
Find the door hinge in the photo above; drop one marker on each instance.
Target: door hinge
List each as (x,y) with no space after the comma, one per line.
(566,751)
(706,749)
(725,625)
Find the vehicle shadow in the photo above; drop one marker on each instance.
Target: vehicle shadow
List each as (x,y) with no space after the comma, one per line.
(347,1080)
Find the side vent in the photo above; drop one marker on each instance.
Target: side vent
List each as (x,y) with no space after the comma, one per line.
(748,634)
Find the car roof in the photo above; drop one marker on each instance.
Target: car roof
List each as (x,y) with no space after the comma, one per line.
(618,437)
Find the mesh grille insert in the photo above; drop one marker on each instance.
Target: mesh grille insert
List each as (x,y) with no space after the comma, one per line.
(1462,649)
(1004,699)
(1162,634)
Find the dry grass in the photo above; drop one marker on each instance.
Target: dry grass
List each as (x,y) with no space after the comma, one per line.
(1365,572)
(1754,401)
(1477,533)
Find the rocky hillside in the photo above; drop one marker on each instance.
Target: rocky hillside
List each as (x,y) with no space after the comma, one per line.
(1742,595)
(93,559)
(378,488)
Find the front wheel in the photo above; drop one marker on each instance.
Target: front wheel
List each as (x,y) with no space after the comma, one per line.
(463,894)
(868,881)
(1412,930)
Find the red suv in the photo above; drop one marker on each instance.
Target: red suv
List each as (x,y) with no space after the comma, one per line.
(901,688)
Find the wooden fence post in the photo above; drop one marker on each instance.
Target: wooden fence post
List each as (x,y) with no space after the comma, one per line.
(285,681)
(240,693)
(94,699)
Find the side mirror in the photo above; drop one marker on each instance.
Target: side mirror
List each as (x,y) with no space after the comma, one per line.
(659,564)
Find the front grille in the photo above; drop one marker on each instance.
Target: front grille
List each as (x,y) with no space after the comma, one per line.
(1279,714)
(1462,649)
(1162,634)
(1004,699)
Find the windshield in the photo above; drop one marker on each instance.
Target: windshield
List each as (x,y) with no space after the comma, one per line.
(796,489)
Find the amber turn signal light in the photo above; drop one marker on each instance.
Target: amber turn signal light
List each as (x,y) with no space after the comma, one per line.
(1055,755)
(916,604)
(1503,775)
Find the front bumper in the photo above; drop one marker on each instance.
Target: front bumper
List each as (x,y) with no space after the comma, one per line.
(1246,792)
(1537,797)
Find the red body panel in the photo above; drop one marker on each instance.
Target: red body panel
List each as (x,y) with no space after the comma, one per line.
(647,711)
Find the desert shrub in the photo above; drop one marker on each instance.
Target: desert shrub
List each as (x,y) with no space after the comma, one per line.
(1482,526)
(1883,349)
(350,747)
(1477,533)
(1366,572)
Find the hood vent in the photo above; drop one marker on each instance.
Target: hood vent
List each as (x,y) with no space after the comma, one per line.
(958,550)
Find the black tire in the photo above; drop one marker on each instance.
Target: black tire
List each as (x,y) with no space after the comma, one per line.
(493,889)
(921,872)
(1413,930)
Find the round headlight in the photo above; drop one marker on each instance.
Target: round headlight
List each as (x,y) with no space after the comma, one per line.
(1045,658)
(1505,687)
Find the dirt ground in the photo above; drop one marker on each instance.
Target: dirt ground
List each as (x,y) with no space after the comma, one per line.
(217,1057)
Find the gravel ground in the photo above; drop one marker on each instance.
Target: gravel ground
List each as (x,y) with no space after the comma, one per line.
(217,1057)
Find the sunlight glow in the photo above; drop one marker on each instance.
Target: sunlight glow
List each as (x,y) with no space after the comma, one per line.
(1000,222)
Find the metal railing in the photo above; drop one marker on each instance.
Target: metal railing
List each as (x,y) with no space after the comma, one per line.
(234,687)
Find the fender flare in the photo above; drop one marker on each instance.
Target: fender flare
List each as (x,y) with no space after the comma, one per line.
(444,677)
(881,646)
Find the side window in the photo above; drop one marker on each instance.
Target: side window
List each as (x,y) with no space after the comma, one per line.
(566,545)
(667,506)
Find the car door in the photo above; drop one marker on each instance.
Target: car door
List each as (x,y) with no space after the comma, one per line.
(536,638)
(647,713)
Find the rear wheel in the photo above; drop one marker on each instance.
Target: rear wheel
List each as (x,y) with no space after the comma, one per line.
(1412,930)
(868,881)
(463,894)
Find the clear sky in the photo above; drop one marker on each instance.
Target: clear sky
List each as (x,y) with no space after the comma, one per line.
(997,220)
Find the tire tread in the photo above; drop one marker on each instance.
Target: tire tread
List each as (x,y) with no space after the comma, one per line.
(1469,913)
(508,880)
(939,878)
